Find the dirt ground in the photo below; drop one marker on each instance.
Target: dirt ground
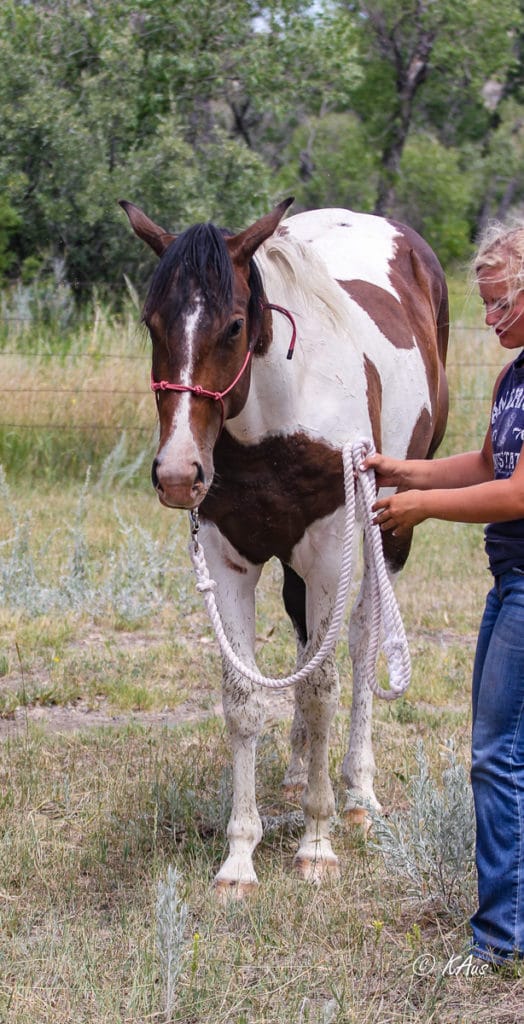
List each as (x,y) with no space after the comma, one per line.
(67,719)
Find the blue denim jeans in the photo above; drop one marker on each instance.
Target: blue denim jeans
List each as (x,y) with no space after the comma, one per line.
(497,772)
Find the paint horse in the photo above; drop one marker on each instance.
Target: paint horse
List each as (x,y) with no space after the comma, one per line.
(254,439)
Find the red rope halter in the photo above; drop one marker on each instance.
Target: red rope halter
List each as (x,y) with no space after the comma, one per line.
(218,396)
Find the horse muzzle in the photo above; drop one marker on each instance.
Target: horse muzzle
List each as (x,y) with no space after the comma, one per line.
(179,486)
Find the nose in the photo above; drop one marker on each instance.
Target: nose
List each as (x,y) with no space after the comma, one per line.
(179,486)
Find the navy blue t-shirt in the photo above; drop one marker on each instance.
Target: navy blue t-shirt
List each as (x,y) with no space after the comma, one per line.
(505,541)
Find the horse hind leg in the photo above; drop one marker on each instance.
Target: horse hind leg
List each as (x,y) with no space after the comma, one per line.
(295,778)
(316,703)
(317,698)
(358,768)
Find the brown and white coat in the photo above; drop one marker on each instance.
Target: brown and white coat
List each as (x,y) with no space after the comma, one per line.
(369,301)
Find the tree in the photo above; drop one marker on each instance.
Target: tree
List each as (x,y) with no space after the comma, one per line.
(449,49)
(181,107)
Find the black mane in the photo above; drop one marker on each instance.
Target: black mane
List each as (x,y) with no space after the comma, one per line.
(199,258)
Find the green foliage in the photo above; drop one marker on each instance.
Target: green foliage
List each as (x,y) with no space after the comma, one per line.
(9,221)
(160,104)
(330,158)
(434,195)
(211,111)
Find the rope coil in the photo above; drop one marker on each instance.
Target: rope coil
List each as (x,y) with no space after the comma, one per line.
(385,611)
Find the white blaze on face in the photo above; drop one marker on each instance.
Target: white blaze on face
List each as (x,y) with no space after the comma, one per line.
(181,443)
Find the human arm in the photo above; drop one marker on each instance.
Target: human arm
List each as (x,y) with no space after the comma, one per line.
(460,489)
(462,470)
(489,502)
(455,471)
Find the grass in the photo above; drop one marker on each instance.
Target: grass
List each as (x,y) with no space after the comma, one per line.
(93,819)
(92,823)
(73,397)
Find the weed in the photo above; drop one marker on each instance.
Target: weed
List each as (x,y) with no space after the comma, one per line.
(171,915)
(431,846)
(130,585)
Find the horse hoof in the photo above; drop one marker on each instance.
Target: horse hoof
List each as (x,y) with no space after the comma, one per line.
(358,817)
(227,892)
(315,871)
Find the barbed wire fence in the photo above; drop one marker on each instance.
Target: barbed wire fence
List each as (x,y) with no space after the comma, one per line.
(98,357)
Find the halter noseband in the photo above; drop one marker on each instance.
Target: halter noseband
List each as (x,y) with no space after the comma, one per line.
(218,396)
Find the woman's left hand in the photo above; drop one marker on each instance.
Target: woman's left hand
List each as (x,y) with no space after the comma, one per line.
(399,512)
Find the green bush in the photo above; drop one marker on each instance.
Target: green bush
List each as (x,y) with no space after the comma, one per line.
(435,195)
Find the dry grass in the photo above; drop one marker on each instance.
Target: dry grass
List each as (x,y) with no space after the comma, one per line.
(92,818)
(91,822)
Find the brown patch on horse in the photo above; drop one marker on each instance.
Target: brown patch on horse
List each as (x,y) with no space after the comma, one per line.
(418,279)
(421,435)
(264,496)
(396,549)
(374,395)
(415,260)
(265,336)
(383,309)
(415,272)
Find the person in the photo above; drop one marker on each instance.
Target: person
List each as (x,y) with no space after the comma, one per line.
(487,486)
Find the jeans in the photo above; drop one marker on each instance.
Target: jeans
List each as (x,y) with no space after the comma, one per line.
(497,772)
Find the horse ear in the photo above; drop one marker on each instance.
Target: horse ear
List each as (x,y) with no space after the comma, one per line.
(242,247)
(146,229)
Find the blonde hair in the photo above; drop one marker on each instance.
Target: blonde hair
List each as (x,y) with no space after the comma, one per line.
(501,249)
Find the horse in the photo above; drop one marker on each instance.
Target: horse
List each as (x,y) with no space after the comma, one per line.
(253,439)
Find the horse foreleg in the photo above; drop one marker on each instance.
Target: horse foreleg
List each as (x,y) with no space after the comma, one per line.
(317,699)
(244,708)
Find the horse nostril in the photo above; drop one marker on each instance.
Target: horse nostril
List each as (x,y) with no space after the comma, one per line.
(199,474)
(154,476)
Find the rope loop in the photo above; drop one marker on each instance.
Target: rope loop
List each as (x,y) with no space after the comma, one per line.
(385,615)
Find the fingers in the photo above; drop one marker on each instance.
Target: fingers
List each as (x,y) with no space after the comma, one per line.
(383,517)
(372,462)
(384,469)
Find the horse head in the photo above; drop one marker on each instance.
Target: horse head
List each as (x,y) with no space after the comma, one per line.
(205,314)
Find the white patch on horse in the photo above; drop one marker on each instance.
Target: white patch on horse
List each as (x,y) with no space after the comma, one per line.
(313,392)
(332,232)
(190,320)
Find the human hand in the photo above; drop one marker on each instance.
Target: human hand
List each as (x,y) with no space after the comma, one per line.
(399,512)
(388,472)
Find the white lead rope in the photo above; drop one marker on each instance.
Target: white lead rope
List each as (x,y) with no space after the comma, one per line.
(385,611)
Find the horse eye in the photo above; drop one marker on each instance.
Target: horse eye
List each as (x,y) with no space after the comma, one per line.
(235,328)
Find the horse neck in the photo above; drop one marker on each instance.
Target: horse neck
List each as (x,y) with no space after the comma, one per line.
(298,282)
